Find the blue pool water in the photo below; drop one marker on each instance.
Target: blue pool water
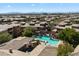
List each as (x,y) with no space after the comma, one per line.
(51,41)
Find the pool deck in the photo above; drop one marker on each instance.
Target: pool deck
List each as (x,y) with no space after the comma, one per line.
(44,50)
(60,42)
(38,50)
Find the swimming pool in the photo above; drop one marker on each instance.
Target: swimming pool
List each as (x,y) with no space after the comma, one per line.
(51,41)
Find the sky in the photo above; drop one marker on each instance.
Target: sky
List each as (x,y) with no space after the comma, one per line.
(39,7)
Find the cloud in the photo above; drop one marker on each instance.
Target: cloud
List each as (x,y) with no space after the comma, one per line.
(9,6)
(33,5)
(41,9)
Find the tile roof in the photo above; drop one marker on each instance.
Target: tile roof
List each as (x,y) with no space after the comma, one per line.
(16,43)
(49,51)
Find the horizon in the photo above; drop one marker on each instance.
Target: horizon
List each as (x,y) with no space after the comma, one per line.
(39,8)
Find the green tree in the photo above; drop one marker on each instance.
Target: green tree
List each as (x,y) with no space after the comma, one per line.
(70,36)
(4,37)
(28,32)
(75,39)
(65,49)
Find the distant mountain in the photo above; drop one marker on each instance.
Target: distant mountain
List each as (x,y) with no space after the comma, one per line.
(31,13)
